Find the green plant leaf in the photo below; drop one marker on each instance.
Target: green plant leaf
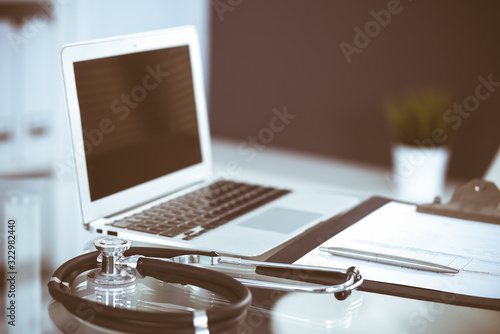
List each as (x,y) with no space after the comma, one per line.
(418,116)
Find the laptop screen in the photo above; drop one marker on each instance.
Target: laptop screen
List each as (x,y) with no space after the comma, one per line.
(138,118)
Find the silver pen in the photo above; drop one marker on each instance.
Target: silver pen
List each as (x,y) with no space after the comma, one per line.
(389,259)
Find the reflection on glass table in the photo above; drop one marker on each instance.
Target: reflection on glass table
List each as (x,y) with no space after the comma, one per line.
(290,313)
(149,294)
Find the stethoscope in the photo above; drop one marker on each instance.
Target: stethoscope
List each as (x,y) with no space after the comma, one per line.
(116,264)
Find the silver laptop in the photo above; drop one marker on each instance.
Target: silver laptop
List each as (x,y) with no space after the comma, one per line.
(140,134)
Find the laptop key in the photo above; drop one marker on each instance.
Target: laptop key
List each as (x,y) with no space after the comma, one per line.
(174,231)
(155,230)
(149,213)
(133,220)
(122,223)
(141,217)
(194,235)
(190,224)
(143,228)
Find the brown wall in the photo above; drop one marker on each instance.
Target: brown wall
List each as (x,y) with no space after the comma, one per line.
(273,53)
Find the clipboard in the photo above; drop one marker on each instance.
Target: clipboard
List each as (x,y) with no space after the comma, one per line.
(316,237)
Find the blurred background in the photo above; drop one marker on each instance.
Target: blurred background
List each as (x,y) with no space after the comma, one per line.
(317,58)
(267,54)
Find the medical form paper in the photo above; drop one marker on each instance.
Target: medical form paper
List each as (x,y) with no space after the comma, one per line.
(398,229)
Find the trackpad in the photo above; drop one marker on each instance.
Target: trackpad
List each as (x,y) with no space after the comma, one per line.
(280,220)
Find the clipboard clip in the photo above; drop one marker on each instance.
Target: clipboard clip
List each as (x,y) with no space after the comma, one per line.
(477,200)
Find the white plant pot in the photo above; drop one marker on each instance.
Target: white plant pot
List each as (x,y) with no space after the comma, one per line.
(419,173)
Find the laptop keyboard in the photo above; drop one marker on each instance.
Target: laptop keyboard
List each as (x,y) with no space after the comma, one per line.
(200,211)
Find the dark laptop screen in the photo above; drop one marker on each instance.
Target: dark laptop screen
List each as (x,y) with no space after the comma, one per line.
(138,117)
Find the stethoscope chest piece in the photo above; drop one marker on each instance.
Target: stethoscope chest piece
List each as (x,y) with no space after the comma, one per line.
(110,274)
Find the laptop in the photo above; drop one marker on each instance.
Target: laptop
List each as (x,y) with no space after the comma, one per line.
(141,141)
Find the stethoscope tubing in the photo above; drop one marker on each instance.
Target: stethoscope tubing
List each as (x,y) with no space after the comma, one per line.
(134,321)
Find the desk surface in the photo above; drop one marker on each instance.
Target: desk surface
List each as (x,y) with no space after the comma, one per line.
(363,312)
(298,313)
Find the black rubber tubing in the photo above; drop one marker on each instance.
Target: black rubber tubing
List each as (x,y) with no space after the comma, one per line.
(133,321)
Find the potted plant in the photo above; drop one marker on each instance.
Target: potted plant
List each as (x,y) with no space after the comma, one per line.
(420,154)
